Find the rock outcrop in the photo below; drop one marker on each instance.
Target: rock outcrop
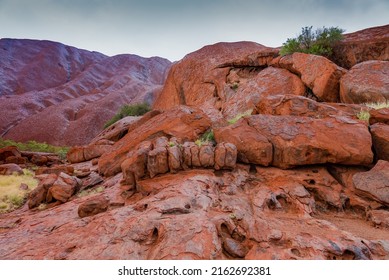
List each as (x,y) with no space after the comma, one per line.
(366,82)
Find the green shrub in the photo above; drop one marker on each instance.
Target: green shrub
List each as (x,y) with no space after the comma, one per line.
(129,110)
(363,115)
(33,146)
(319,42)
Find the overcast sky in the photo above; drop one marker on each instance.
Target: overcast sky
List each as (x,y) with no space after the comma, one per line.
(174,28)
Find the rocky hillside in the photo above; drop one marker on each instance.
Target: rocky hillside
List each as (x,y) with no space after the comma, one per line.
(246,155)
(63,95)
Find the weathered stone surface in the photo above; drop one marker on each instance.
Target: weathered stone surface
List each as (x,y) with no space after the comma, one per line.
(366,82)
(318,73)
(135,166)
(380,135)
(63,188)
(293,105)
(187,154)
(252,146)
(91,180)
(157,161)
(39,159)
(39,194)
(75,154)
(374,183)
(10,169)
(379,116)
(93,206)
(182,122)
(175,158)
(300,140)
(379,218)
(16,160)
(225,156)
(207,155)
(234,248)
(195,153)
(368,44)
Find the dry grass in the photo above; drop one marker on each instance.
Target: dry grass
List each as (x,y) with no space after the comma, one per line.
(239,116)
(378,105)
(11,196)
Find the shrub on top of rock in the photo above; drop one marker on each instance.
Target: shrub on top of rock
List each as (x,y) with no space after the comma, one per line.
(129,110)
(319,42)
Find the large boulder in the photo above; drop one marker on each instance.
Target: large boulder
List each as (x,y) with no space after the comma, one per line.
(252,146)
(39,194)
(317,73)
(219,74)
(157,161)
(301,140)
(225,156)
(63,188)
(374,183)
(93,206)
(182,122)
(366,82)
(379,116)
(380,135)
(80,154)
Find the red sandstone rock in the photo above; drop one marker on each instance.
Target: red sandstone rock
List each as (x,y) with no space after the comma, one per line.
(252,146)
(225,156)
(218,74)
(318,73)
(379,218)
(380,135)
(39,194)
(304,107)
(207,155)
(174,158)
(134,167)
(366,82)
(183,122)
(300,140)
(374,183)
(55,170)
(368,44)
(16,160)
(93,206)
(379,116)
(157,161)
(63,188)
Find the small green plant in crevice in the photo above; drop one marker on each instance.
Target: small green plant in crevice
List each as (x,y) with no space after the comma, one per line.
(171,144)
(319,42)
(363,115)
(239,116)
(129,110)
(234,86)
(207,137)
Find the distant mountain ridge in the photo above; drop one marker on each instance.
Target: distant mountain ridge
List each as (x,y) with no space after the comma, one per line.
(63,95)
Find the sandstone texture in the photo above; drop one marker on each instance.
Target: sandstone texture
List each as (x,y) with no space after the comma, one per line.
(246,155)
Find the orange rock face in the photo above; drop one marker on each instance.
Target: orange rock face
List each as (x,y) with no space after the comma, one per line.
(182,122)
(317,73)
(366,82)
(360,46)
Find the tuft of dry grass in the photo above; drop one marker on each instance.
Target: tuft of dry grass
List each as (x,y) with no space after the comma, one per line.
(11,196)
(378,105)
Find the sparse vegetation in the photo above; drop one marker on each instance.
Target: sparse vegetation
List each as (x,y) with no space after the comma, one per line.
(207,137)
(363,115)
(239,116)
(378,105)
(129,110)
(11,196)
(319,42)
(33,146)
(234,86)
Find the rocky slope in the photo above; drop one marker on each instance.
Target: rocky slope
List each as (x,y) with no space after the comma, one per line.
(292,172)
(66,94)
